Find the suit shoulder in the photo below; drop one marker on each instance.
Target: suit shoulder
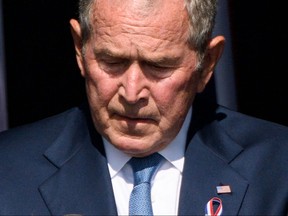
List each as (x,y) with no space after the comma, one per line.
(42,131)
(250,129)
(230,116)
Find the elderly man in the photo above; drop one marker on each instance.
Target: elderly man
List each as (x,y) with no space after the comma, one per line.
(144,63)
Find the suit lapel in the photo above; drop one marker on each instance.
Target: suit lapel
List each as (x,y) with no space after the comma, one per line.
(208,164)
(81,183)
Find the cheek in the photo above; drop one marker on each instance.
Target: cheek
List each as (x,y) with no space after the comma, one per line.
(172,104)
(173,99)
(175,94)
(100,87)
(100,91)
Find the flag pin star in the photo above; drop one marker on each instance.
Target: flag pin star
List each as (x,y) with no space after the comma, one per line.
(223,189)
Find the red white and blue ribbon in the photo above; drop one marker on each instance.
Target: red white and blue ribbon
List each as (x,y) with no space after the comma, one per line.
(214,204)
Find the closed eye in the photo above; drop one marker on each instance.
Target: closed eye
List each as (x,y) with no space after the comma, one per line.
(158,70)
(113,65)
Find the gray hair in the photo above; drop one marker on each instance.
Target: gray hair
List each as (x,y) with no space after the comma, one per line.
(201,13)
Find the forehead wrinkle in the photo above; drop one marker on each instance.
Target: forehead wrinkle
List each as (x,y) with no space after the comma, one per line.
(149,30)
(129,12)
(122,8)
(142,36)
(116,26)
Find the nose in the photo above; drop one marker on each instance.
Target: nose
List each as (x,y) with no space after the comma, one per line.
(133,87)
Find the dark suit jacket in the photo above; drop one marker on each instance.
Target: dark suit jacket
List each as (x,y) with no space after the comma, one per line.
(58,166)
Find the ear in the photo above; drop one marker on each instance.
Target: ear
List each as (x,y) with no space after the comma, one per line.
(213,53)
(77,38)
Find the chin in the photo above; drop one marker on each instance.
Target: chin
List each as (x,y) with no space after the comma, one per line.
(135,148)
(138,149)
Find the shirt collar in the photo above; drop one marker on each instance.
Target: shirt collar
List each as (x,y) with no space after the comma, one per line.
(174,152)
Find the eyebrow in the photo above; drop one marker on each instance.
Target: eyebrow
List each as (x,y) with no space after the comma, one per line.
(107,53)
(162,60)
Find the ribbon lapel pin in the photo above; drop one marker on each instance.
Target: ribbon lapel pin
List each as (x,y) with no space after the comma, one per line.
(214,207)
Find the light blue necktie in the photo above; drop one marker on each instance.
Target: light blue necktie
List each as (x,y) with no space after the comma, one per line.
(143,170)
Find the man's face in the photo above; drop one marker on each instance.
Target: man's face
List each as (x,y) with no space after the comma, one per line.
(140,74)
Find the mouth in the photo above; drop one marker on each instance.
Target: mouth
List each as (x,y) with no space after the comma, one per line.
(131,119)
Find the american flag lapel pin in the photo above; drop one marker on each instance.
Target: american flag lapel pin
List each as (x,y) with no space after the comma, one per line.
(223,189)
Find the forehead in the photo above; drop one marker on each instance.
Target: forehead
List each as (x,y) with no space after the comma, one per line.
(145,15)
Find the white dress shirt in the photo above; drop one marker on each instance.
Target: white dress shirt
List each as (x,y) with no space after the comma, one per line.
(166,183)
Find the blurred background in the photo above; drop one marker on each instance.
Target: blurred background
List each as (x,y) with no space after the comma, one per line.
(39,76)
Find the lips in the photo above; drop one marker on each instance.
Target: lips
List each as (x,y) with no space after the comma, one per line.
(134,118)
